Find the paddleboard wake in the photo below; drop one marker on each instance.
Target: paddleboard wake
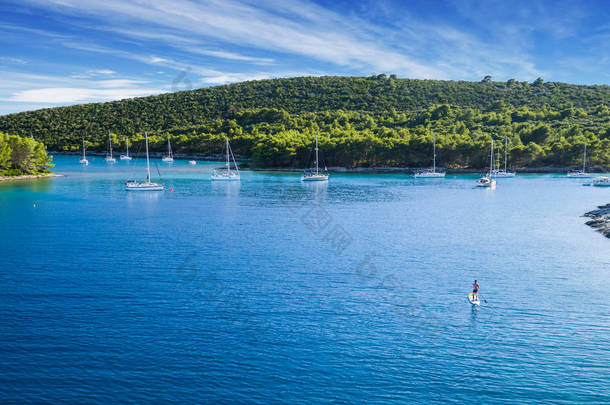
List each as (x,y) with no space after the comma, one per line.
(474,300)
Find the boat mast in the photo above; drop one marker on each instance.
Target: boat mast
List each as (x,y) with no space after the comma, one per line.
(110,141)
(316,153)
(169,147)
(147,160)
(584,159)
(491,161)
(228,163)
(434,153)
(83,148)
(127,142)
(505,152)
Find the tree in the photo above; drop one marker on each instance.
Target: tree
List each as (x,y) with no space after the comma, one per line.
(486,79)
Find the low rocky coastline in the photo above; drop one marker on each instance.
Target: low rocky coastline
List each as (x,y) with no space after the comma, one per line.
(28,177)
(600,219)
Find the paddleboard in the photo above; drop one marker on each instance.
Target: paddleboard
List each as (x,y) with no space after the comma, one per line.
(472,299)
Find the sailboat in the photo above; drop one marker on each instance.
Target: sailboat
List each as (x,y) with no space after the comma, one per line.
(225,173)
(126,155)
(603,181)
(134,185)
(169,158)
(503,173)
(109,157)
(431,173)
(489,180)
(83,160)
(581,173)
(310,175)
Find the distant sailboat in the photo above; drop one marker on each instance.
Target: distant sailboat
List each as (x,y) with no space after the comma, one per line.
(126,155)
(83,160)
(581,173)
(431,173)
(310,175)
(134,185)
(109,157)
(504,173)
(489,181)
(169,158)
(225,173)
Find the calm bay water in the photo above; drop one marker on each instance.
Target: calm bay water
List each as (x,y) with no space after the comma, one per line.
(271,290)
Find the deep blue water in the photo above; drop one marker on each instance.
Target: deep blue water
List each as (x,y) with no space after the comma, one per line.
(276,291)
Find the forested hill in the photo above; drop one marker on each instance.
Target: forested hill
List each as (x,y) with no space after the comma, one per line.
(377,120)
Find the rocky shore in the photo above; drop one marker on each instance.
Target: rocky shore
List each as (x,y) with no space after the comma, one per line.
(600,219)
(28,177)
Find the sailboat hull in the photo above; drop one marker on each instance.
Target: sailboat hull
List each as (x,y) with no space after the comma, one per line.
(315,177)
(136,186)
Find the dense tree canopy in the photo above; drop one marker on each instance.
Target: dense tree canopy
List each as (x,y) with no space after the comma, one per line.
(372,121)
(22,155)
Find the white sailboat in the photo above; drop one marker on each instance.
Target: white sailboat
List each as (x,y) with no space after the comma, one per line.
(169,158)
(603,181)
(134,185)
(225,173)
(431,173)
(489,180)
(581,173)
(109,157)
(504,173)
(310,175)
(83,160)
(126,155)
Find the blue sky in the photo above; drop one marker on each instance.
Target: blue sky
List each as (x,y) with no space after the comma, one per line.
(61,52)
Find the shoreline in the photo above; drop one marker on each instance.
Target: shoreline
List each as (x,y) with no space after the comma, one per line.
(340,169)
(600,219)
(29,177)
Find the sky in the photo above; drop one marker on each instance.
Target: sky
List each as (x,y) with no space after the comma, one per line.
(63,52)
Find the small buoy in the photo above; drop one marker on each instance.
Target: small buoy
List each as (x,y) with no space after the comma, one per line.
(171,190)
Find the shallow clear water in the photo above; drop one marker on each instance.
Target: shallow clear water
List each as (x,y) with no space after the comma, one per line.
(271,290)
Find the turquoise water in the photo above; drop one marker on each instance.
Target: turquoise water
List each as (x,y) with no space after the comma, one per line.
(271,290)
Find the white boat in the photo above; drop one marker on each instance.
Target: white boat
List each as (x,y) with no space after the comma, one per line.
(311,175)
(134,185)
(83,160)
(192,162)
(109,157)
(126,155)
(488,180)
(581,174)
(225,173)
(503,173)
(603,181)
(169,158)
(431,173)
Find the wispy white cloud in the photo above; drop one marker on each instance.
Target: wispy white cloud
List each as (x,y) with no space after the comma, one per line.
(77,95)
(291,26)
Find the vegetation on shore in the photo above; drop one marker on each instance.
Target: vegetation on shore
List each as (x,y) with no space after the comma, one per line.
(22,156)
(374,121)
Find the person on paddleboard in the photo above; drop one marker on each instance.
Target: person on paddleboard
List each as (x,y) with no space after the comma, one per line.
(475,290)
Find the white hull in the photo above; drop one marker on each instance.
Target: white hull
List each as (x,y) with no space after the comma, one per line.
(601,182)
(110,160)
(486,183)
(580,175)
(224,176)
(429,175)
(136,186)
(315,177)
(192,162)
(84,161)
(503,174)
(123,157)
(167,159)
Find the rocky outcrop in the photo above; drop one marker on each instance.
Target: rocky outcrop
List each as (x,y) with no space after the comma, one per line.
(600,219)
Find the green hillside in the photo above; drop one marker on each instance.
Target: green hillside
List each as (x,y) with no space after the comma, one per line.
(361,121)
